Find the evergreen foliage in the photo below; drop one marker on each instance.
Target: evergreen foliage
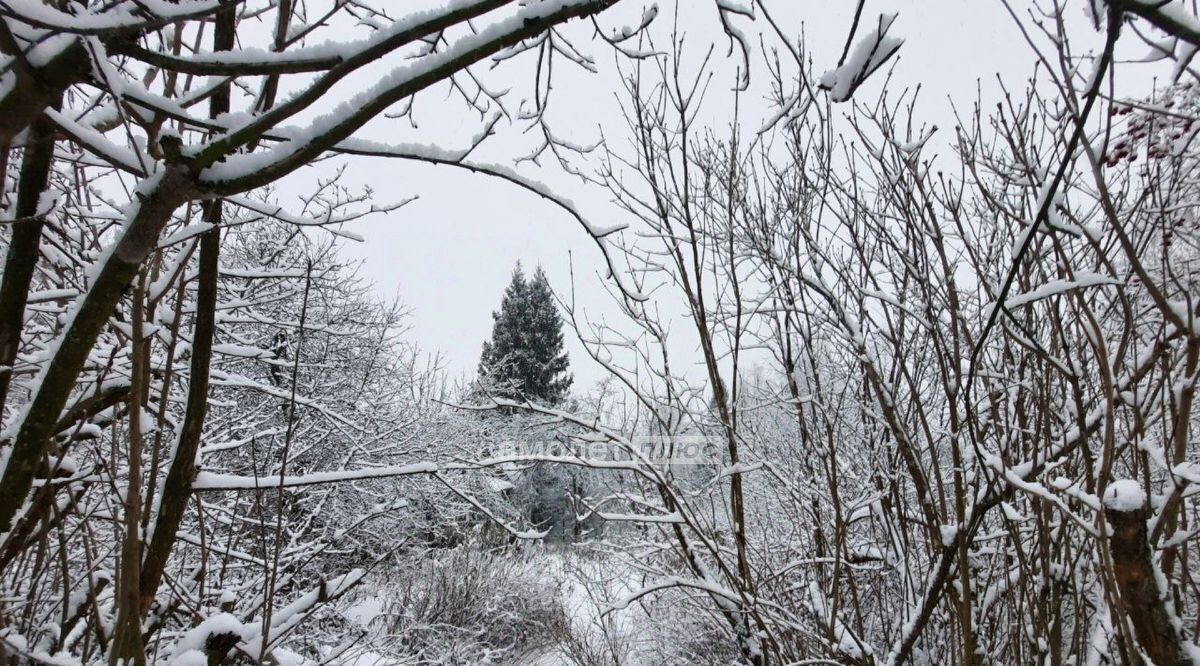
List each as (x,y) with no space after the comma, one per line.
(525,359)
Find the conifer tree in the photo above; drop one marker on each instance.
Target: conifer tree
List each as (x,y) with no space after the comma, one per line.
(525,359)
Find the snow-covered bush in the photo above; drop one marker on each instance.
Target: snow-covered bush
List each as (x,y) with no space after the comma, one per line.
(462,605)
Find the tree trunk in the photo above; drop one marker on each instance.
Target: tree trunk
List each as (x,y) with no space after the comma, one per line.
(1141,598)
(24,246)
(177,487)
(127,646)
(36,86)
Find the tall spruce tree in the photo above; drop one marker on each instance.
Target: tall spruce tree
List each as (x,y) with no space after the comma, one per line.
(525,357)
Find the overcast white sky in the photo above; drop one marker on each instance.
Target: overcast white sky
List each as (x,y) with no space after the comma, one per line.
(449,255)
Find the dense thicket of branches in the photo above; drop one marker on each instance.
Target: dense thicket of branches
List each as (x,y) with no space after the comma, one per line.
(179,348)
(955,391)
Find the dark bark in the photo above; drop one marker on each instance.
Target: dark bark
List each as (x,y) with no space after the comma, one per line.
(96,584)
(1163,20)
(1141,599)
(107,396)
(36,87)
(22,256)
(44,512)
(217,647)
(128,647)
(177,487)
